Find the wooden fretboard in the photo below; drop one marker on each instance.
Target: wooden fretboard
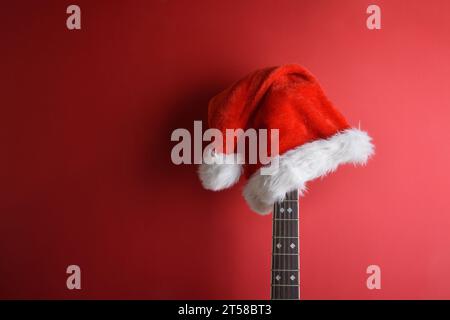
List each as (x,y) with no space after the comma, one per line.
(285,249)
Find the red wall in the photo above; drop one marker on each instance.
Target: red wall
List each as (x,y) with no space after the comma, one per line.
(86,176)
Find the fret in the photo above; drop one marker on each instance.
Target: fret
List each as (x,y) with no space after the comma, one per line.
(284,269)
(285,261)
(285,292)
(285,237)
(284,285)
(292,196)
(285,277)
(286,210)
(286,245)
(285,228)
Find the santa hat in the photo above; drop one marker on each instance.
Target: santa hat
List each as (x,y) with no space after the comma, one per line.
(314,137)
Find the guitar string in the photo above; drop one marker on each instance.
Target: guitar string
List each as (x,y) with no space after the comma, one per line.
(289,227)
(274,266)
(275,257)
(293,249)
(273,248)
(277,227)
(285,257)
(293,224)
(296,248)
(292,234)
(277,224)
(288,265)
(298,245)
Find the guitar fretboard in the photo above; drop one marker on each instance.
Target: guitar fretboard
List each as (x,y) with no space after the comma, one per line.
(285,249)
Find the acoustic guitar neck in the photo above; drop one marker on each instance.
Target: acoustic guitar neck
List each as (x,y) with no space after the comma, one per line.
(285,249)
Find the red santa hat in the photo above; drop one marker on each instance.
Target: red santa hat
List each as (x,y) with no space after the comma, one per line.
(314,137)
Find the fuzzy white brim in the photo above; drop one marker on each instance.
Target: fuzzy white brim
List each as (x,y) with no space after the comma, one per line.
(305,163)
(224,172)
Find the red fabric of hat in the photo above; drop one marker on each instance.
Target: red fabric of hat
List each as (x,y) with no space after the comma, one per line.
(314,137)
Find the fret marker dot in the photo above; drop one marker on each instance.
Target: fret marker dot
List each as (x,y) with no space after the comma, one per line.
(279,245)
(289,210)
(282,210)
(292,245)
(278,277)
(292,277)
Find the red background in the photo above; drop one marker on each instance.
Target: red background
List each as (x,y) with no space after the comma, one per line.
(85,170)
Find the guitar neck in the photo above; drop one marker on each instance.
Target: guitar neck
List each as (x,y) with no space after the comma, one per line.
(285,249)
